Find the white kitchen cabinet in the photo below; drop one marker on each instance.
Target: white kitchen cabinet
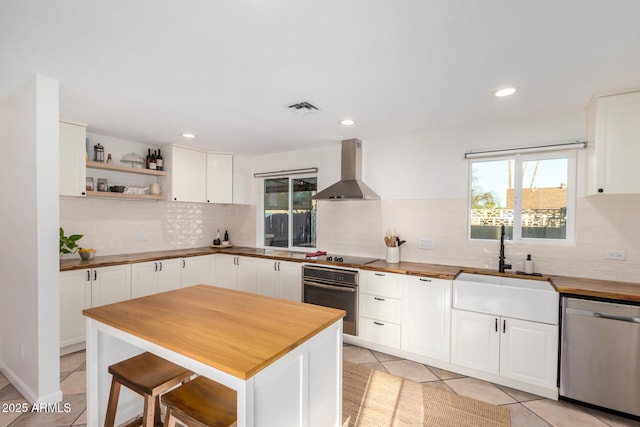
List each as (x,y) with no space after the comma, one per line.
(75,296)
(517,349)
(426,316)
(187,169)
(110,284)
(219,178)
(72,159)
(380,308)
(86,288)
(198,270)
(236,272)
(613,132)
(280,279)
(197,176)
(148,278)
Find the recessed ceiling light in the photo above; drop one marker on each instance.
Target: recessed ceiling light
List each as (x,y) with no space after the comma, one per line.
(347,122)
(506,91)
(188,135)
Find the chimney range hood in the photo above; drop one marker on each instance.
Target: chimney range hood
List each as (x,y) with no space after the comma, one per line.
(350,186)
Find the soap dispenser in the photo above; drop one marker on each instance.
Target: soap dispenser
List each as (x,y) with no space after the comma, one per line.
(528,265)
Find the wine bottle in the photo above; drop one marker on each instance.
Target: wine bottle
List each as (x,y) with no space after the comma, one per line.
(148,160)
(159,161)
(152,163)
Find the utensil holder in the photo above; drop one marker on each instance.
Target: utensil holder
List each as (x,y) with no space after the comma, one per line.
(393,255)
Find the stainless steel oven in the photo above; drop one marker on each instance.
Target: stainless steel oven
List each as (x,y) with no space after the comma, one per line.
(335,288)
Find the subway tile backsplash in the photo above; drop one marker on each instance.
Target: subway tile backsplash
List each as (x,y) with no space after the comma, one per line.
(358,227)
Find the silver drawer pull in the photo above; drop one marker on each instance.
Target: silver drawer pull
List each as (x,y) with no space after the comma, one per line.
(380,274)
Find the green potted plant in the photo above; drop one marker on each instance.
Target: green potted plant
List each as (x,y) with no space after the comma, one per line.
(68,244)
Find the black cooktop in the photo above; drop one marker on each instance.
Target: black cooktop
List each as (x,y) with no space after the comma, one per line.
(343,259)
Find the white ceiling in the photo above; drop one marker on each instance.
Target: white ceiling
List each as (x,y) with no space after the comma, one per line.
(148,70)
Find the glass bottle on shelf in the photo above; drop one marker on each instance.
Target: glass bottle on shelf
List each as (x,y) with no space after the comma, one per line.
(159,161)
(152,163)
(148,159)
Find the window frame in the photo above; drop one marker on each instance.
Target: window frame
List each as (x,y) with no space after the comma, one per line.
(518,159)
(260,237)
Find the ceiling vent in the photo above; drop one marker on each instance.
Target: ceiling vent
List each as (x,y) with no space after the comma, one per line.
(303,107)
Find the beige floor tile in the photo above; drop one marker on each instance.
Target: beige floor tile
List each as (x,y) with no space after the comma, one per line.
(384,357)
(561,414)
(75,383)
(9,392)
(72,362)
(378,366)
(523,417)
(611,419)
(410,370)
(82,419)
(12,409)
(480,390)
(355,354)
(444,374)
(519,396)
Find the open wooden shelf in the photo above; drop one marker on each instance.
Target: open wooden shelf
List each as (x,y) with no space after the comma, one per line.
(124,196)
(129,169)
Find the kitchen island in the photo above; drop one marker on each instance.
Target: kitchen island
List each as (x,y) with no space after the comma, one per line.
(284,359)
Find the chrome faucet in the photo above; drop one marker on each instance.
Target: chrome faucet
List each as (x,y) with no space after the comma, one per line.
(501,265)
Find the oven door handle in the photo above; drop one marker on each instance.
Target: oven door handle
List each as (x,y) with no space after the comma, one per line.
(332,287)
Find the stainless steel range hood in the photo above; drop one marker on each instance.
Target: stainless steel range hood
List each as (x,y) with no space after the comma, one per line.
(350,186)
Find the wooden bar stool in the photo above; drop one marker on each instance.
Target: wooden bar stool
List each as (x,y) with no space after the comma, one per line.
(201,403)
(149,376)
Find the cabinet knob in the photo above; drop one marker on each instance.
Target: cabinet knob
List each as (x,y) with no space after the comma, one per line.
(83,193)
(175,198)
(600,190)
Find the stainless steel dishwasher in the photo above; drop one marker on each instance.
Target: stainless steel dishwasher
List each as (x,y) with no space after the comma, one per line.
(600,354)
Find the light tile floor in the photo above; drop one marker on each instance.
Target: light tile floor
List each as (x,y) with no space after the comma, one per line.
(526,409)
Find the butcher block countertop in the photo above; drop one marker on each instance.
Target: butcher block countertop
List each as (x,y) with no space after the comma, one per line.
(236,332)
(569,285)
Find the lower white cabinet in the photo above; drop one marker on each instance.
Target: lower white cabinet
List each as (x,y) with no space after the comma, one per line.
(75,296)
(380,308)
(80,289)
(517,349)
(110,284)
(236,272)
(148,278)
(280,279)
(198,270)
(426,314)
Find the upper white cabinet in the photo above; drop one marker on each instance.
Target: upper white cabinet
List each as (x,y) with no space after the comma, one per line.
(72,159)
(426,314)
(219,178)
(188,174)
(197,176)
(613,134)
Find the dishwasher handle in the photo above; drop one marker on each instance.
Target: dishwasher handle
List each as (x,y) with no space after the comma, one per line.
(600,315)
(617,317)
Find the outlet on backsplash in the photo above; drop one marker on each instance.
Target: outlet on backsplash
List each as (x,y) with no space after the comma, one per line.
(426,243)
(615,254)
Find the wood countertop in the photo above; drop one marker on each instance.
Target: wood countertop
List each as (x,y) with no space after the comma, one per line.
(626,291)
(236,332)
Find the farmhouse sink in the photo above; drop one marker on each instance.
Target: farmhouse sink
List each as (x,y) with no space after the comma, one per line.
(526,299)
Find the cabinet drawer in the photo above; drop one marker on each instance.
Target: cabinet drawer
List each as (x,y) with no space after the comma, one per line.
(382,308)
(385,333)
(379,283)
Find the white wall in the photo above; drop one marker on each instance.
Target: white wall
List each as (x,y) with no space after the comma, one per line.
(423,182)
(29,288)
